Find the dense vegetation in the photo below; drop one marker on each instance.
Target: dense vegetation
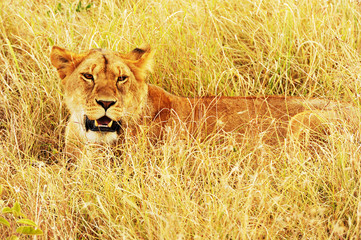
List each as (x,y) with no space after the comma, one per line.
(183,189)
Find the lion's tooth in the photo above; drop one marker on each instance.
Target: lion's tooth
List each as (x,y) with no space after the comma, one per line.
(110,124)
(96,123)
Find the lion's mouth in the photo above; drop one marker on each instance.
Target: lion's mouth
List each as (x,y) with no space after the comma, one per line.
(103,124)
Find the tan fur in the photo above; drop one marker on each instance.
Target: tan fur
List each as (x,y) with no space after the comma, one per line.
(139,103)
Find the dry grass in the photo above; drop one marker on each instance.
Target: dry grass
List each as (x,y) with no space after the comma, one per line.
(189,189)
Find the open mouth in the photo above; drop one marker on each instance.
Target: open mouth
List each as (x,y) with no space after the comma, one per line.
(103,124)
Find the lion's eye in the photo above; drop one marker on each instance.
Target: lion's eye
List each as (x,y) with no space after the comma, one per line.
(88,76)
(122,78)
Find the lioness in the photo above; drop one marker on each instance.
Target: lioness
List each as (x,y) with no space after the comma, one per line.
(107,94)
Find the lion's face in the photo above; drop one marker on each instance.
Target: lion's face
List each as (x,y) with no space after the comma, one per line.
(104,89)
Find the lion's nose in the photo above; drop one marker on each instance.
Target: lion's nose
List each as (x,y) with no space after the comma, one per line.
(105,104)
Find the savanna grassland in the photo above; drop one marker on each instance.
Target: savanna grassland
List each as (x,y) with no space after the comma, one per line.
(183,189)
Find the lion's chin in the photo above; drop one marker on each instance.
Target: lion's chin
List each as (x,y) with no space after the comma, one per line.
(103,124)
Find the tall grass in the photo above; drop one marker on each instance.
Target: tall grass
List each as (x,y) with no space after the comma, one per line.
(183,189)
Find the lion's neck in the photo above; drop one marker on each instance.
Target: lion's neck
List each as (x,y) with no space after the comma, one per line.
(160,103)
(163,105)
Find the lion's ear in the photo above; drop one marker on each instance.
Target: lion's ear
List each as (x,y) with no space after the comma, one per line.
(142,57)
(64,61)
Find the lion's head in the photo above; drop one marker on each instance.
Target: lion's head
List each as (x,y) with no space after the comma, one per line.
(104,89)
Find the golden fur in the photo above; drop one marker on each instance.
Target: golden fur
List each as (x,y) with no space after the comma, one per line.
(102,83)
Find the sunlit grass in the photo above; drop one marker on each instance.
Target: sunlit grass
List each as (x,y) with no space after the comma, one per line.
(183,189)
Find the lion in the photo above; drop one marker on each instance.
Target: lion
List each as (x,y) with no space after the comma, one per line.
(107,94)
